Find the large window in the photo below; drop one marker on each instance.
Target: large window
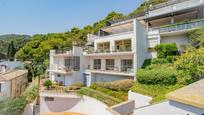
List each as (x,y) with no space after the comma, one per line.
(110,63)
(123,45)
(68,62)
(126,65)
(72,63)
(103,47)
(97,63)
(76,63)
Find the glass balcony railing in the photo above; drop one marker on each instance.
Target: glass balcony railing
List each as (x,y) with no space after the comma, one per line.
(54,67)
(124,49)
(111,69)
(182,26)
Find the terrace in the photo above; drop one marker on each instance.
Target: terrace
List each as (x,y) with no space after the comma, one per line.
(183,26)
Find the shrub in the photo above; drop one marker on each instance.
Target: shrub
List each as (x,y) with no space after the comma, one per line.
(120,85)
(109,100)
(164,50)
(162,76)
(159,61)
(172,59)
(117,94)
(157,92)
(47,83)
(192,64)
(15,106)
(146,63)
(75,86)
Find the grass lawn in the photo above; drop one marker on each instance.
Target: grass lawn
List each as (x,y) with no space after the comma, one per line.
(157,92)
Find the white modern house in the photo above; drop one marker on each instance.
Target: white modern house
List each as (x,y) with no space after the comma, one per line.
(121,47)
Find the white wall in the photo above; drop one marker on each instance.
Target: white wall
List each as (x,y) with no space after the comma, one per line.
(140,100)
(141,44)
(96,77)
(5,90)
(169,108)
(179,40)
(86,105)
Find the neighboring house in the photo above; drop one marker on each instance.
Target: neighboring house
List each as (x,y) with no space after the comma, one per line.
(13,83)
(188,100)
(122,46)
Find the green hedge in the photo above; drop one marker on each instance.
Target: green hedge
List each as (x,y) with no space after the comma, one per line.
(164,50)
(162,76)
(109,100)
(159,61)
(120,85)
(117,94)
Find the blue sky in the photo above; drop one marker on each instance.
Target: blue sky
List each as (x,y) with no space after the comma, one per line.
(46,16)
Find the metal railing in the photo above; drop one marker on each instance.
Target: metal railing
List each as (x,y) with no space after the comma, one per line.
(182,26)
(63,52)
(61,68)
(116,34)
(123,49)
(113,69)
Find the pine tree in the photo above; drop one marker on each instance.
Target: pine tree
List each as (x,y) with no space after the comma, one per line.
(11,51)
(8,52)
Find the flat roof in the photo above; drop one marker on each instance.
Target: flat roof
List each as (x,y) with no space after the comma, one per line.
(12,74)
(192,94)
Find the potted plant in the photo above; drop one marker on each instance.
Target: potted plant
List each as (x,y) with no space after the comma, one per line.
(47,84)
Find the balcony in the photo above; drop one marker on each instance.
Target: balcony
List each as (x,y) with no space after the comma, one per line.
(112,70)
(123,33)
(121,51)
(177,27)
(173,6)
(61,53)
(60,69)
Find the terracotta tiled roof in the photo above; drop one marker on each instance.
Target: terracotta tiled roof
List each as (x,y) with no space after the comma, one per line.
(12,74)
(192,94)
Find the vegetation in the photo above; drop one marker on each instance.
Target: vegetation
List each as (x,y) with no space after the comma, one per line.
(146,5)
(47,83)
(157,92)
(164,50)
(191,65)
(16,105)
(11,51)
(120,85)
(116,94)
(161,76)
(18,42)
(109,100)
(196,37)
(75,86)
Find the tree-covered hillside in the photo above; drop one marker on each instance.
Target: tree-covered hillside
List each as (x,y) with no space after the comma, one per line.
(18,41)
